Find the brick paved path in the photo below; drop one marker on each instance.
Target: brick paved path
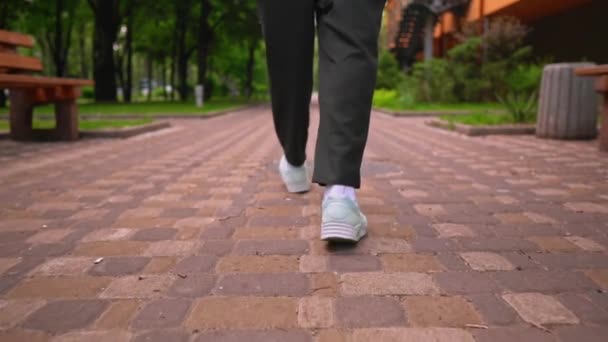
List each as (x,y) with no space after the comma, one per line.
(200,242)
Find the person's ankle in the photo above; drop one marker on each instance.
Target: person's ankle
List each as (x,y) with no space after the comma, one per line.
(285,165)
(340,191)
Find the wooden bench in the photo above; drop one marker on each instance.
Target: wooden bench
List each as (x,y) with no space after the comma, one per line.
(601,86)
(28,91)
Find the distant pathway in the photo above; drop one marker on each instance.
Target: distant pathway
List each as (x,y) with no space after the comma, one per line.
(471,239)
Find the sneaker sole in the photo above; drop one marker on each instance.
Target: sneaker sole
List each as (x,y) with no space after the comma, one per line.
(341,232)
(298,187)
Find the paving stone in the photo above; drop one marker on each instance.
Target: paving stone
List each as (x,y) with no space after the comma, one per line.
(48,236)
(146,286)
(542,281)
(466,282)
(324,284)
(421,263)
(162,336)
(539,309)
(171,248)
(364,312)
(118,315)
(587,207)
(24,336)
(482,261)
(316,312)
(583,308)
(313,263)
(554,243)
(154,234)
(108,235)
(110,248)
(12,312)
(449,230)
(353,263)
(98,336)
(192,285)
(217,247)
(255,336)
(412,334)
(81,314)
(580,333)
(493,309)
(61,287)
(264,284)
(432,210)
(440,312)
(65,266)
(271,247)
(160,265)
(243,313)
(119,266)
(162,313)
(195,264)
(258,264)
(510,334)
(378,283)
(600,277)
(586,244)
(7,263)
(265,233)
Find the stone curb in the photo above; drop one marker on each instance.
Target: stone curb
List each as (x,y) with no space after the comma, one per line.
(474,131)
(120,133)
(124,132)
(414,114)
(150,116)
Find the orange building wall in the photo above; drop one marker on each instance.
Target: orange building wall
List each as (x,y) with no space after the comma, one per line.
(524,10)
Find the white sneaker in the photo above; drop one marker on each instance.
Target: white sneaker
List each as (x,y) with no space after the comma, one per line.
(342,221)
(295,178)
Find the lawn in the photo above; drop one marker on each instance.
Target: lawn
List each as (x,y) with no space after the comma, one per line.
(147,108)
(483,118)
(441,107)
(391,100)
(85,124)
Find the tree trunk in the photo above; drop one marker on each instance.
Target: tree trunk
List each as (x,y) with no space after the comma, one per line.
(149,72)
(82,47)
(172,64)
(205,33)
(249,72)
(164,77)
(106,30)
(58,48)
(128,87)
(182,11)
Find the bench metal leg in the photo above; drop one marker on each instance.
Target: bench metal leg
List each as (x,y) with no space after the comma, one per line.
(21,111)
(66,115)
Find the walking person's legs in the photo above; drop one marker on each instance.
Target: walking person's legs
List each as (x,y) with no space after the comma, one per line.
(348,47)
(289,32)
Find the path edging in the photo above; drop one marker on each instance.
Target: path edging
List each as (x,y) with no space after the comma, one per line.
(475,131)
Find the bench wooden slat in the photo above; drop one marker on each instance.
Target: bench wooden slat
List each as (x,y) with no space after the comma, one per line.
(26,81)
(13,61)
(16,39)
(593,71)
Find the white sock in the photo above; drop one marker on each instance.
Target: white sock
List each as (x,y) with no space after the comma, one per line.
(340,191)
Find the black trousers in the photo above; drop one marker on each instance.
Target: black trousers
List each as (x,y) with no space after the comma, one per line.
(348,53)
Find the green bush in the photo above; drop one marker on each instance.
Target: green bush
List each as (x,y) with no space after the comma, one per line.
(389,73)
(88,92)
(521,106)
(434,80)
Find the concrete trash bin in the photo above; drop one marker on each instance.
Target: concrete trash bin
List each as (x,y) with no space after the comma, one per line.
(567,107)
